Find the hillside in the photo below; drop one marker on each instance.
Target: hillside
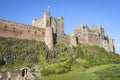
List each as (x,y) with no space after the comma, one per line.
(102,72)
(15,52)
(28,53)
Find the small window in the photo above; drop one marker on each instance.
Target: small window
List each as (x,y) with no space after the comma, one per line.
(43,33)
(35,32)
(13,29)
(5,27)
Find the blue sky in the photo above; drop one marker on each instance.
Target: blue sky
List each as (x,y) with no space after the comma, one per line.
(90,12)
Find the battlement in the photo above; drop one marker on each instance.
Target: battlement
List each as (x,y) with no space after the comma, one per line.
(51,30)
(10,25)
(20,31)
(47,21)
(94,35)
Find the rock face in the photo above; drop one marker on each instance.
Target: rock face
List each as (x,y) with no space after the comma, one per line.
(22,74)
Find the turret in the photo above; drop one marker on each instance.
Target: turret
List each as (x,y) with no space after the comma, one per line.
(61,26)
(43,22)
(46,20)
(49,38)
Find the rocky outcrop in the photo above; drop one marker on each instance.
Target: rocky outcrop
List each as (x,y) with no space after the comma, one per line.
(24,73)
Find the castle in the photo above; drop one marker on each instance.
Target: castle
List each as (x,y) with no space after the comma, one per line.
(51,30)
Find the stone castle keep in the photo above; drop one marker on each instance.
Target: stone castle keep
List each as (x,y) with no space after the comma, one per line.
(51,30)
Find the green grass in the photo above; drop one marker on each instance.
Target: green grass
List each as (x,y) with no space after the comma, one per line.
(75,75)
(85,62)
(103,72)
(22,52)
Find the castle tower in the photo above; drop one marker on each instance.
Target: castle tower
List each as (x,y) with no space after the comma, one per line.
(46,19)
(49,38)
(43,22)
(61,26)
(101,31)
(73,40)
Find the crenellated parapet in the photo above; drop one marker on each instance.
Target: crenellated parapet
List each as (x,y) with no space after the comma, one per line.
(47,21)
(94,35)
(21,31)
(51,30)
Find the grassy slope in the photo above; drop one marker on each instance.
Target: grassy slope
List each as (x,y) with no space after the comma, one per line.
(103,72)
(85,62)
(22,52)
(89,62)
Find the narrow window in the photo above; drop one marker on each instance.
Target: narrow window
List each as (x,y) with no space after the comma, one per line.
(5,27)
(43,33)
(13,29)
(35,32)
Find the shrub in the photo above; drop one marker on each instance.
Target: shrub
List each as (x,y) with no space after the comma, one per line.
(61,70)
(47,71)
(2,62)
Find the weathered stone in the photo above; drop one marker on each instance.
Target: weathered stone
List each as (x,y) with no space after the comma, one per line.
(73,40)
(51,30)
(49,38)
(94,35)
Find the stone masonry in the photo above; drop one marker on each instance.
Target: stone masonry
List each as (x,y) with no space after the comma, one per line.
(51,30)
(94,35)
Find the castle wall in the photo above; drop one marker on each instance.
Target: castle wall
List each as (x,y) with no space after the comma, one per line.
(37,22)
(94,38)
(21,31)
(106,45)
(94,35)
(51,30)
(73,40)
(111,45)
(66,41)
(82,33)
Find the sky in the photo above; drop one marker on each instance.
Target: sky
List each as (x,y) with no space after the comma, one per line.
(105,13)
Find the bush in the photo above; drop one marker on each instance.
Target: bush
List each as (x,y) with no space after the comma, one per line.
(56,68)
(61,70)
(2,62)
(47,71)
(82,62)
(50,69)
